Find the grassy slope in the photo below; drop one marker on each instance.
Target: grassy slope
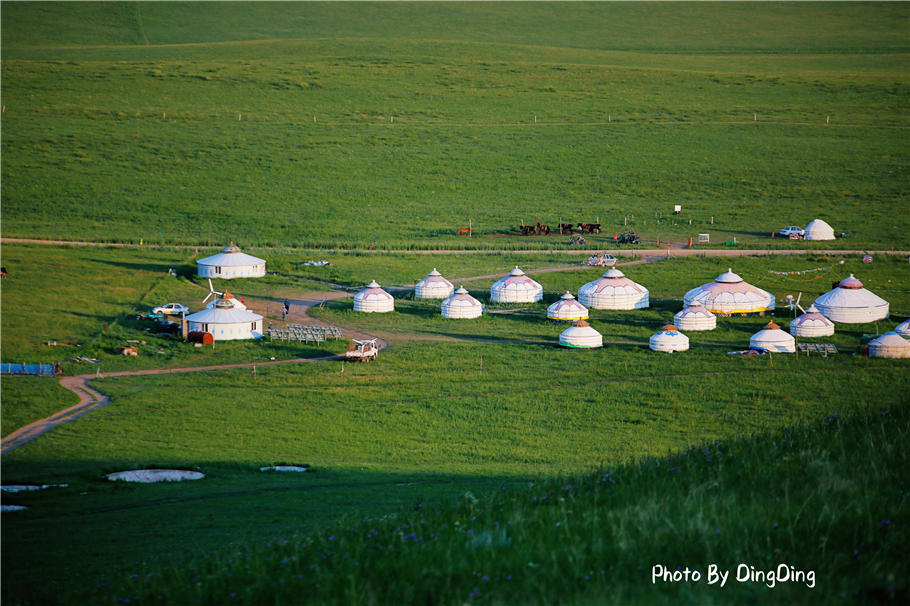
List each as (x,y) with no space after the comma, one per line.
(425,416)
(619,133)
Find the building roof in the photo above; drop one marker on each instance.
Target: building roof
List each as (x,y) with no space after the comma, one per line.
(231,256)
(223,312)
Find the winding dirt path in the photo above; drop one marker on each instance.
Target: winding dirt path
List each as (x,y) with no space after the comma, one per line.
(90,399)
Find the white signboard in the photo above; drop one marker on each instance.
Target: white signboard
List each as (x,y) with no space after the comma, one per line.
(677,208)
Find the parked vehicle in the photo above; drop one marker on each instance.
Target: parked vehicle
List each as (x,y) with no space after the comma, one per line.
(172,309)
(792,230)
(362,351)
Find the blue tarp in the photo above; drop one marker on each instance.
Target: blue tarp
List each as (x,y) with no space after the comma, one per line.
(26,369)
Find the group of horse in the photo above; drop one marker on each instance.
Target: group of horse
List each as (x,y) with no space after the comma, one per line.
(591,228)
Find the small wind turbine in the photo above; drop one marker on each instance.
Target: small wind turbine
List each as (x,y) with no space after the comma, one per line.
(212,292)
(791,303)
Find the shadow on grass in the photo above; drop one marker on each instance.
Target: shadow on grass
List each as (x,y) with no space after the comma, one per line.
(94,531)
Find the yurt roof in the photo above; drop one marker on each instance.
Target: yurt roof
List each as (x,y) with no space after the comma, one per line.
(903,328)
(373,291)
(516,280)
(461,298)
(567,301)
(850,296)
(223,312)
(890,339)
(812,315)
(850,282)
(616,280)
(227,297)
(730,290)
(728,277)
(695,309)
(231,256)
(434,277)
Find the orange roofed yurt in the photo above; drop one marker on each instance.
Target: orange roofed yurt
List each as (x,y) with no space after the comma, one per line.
(773,339)
(581,336)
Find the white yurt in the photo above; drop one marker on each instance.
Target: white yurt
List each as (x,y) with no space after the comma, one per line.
(581,336)
(695,317)
(230,263)
(567,309)
(434,286)
(227,297)
(890,345)
(462,305)
(669,339)
(812,324)
(516,288)
(850,303)
(818,230)
(729,294)
(373,299)
(903,329)
(613,291)
(772,338)
(225,322)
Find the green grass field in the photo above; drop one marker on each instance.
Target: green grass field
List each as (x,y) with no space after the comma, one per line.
(179,140)
(475,462)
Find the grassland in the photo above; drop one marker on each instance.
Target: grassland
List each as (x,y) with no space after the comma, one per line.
(143,142)
(302,130)
(451,407)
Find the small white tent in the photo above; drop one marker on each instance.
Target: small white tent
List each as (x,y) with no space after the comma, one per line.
(890,345)
(695,317)
(516,288)
(434,286)
(669,339)
(581,336)
(462,305)
(567,309)
(818,230)
(373,299)
(850,303)
(613,291)
(812,324)
(772,338)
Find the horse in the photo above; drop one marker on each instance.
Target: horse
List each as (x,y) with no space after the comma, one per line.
(464,231)
(527,230)
(567,226)
(591,228)
(544,229)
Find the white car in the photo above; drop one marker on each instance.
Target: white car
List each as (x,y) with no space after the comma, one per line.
(792,231)
(171,309)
